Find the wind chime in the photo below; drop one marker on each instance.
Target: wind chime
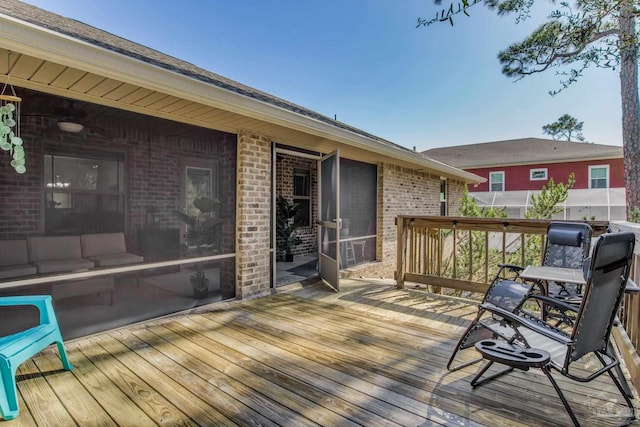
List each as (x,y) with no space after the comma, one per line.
(10,125)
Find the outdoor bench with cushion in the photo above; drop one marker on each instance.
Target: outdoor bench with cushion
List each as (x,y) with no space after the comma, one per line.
(107,250)
(55,254)
(14,259)
(63,254)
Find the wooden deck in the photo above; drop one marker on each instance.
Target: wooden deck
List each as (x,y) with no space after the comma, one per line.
(370,355)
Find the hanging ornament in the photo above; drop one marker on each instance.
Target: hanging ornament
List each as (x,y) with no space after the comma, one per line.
(10,139)
(10,127)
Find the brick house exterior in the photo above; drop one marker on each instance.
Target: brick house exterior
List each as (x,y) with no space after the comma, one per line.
(170,131)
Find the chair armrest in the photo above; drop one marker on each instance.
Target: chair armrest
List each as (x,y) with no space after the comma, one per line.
(41,302)
(535,325)
(554,302)
(513,267)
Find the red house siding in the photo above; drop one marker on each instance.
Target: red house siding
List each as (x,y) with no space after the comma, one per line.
(518,177)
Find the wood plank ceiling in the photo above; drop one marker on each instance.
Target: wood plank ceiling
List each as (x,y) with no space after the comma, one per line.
(72,83)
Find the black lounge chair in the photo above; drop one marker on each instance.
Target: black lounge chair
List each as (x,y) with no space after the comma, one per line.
(536,343)
(567,245)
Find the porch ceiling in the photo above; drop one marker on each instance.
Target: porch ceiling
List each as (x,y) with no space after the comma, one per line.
(144,81)
(56,79)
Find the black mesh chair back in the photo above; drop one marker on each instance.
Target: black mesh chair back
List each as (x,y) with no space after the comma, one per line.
(567,244)
(606,276)
(606,281)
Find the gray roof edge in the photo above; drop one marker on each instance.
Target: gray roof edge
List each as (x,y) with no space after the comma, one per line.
(73,29)
(511,152)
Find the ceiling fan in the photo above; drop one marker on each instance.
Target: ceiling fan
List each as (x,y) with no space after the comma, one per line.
(70,119)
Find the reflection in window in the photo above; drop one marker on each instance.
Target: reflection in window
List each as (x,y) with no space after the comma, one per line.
(198,184)
(302,195)
(496,181)
(83,194)
(203,207)
(599,176)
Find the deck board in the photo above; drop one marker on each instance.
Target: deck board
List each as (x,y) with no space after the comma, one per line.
(371,355)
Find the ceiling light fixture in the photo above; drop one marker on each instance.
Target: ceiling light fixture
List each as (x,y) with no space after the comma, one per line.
(70,127)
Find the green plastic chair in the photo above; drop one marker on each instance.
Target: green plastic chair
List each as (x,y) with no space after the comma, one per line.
(15,349)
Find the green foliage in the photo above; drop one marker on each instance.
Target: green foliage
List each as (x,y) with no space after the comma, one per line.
(469,207)
(471,246)
(549,201)
(449,13)
(574,38)
(198,279)
(203,229)
(634,214)
(564,128)
(584,33)
(287,225)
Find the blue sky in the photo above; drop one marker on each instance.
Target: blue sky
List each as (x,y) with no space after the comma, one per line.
(365,62)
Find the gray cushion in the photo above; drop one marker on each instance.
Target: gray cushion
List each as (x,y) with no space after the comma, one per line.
(11,271)
(60,265)
(102,244)
(116,259)
(45,248)
(13,252)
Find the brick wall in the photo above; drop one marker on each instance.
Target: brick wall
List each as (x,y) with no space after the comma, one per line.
(455,190)
(253,258)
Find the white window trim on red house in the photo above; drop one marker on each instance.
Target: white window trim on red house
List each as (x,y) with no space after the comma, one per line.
(491,181)
(536,171)
(591,168)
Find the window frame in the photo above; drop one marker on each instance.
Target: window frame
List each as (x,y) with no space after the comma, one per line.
(443,197)
(491,181)
(607,177)
(534,170)
(100,194)
(306,172)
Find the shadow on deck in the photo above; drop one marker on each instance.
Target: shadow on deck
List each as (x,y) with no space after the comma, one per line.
(370,355)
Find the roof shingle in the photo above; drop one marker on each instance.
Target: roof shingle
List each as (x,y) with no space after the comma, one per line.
(521,151)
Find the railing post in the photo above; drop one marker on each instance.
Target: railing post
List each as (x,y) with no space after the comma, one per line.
(400,255)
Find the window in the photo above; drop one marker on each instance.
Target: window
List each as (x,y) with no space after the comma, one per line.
(538,174)
(302,195)
(496,181)
(443,198)
(599,176)
(198,184)
(83,194)
(201,183)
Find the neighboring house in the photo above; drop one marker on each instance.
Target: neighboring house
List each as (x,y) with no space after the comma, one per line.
(150,134)
(515,169)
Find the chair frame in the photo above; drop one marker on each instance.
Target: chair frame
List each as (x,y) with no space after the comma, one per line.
(17,348)
(569,253)
(606,282)
(507,284)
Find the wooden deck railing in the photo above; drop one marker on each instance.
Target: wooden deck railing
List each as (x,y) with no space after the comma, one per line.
(462,254)
(627,336)
(426,245)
